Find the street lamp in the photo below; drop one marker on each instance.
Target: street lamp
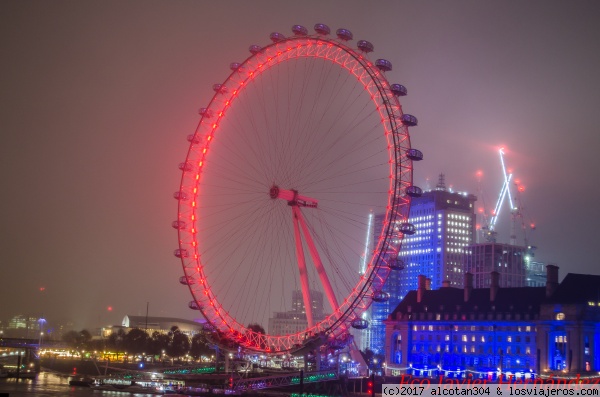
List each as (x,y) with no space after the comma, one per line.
(42,320)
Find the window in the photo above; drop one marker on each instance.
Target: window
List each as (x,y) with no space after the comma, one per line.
(560,316)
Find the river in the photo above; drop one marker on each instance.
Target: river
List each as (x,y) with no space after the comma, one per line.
(49,384)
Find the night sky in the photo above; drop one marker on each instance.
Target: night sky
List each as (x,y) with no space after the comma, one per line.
(97,98)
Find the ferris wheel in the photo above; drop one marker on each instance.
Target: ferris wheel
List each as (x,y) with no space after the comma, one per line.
(296,147)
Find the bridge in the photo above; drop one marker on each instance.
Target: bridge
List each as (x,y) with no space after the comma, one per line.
(283,380)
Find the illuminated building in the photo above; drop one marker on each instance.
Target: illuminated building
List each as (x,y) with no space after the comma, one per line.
(506,259)
(445,225)
(293,321)
(160,324)
(535,273)
(523,331)
(22,326)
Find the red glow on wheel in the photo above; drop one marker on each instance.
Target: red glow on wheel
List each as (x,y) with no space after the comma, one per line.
(399,177)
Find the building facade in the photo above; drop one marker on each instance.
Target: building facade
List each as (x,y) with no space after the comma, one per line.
(506,259)
(293,321)
(445,225)
(522,331)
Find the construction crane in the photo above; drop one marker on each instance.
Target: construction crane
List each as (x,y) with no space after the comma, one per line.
(489,228)
(519,214)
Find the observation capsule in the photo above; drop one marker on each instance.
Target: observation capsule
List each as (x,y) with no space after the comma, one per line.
(365,46)
(344,34)
(384,65)
(414,154)
(179,225)
(193,139)
(407,228)
(409,120)
(179,195)
(255,49)
(194,305)
(359,323)
(185,280)
(323,29)
(276,37)
(396,264)
(186,167)
(205,112)
(234,66)
(181,253)
(299,30)
(380,296)
(414,191)
(220,88)
(399,90)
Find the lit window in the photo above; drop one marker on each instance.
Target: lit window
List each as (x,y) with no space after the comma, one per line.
(560,316)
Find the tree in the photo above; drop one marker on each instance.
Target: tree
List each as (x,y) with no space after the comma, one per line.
(137,341)
(199,346)
(159,343)
(256,328)
(115,341)
(179,344)
(78,341)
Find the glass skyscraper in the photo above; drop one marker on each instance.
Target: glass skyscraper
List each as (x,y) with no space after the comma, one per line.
(445,224)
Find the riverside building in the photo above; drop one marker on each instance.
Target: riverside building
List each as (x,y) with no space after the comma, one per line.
(521,331)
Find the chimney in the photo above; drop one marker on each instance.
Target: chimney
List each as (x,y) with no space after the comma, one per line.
(494,285)
(551,280)
(468,286)
(428,284)
(445,283)
(421,283)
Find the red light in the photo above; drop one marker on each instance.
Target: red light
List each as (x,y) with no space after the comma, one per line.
(109,308)
(42,288)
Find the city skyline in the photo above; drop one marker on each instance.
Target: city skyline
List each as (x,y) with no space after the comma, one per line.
(98,99)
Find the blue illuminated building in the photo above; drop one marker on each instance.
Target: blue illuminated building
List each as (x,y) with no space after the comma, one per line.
(485,332)
(445,224)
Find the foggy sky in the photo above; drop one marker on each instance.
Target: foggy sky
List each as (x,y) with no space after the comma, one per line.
(97,98)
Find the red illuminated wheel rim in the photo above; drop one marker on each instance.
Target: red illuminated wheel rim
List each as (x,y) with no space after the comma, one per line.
(297,146)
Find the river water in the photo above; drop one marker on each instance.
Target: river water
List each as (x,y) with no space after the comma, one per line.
(49,384)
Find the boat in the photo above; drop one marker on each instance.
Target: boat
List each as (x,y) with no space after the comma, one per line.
(81,381)
(144,386)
